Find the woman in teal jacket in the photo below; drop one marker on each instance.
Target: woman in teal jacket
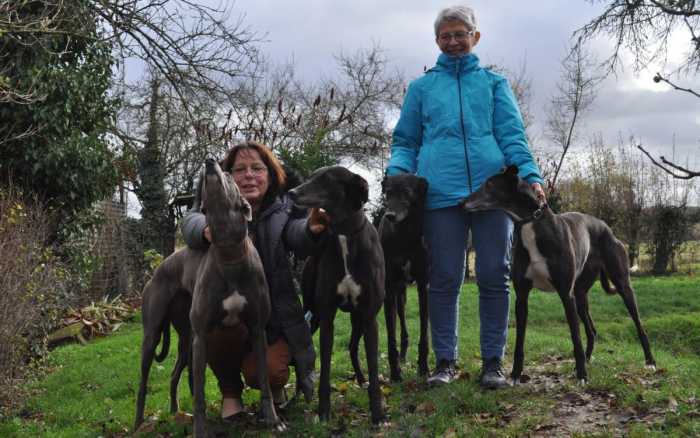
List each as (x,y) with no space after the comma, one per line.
(459,125)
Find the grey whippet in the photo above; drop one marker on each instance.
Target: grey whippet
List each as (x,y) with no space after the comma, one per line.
(347,275)
(565,253)
(227,284)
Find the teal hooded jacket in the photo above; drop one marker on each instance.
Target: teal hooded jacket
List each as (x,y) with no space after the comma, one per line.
(459,125)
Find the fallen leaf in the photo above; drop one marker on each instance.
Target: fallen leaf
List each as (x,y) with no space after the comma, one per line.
(426,408)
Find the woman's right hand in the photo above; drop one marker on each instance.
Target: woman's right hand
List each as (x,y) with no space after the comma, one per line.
(318,220)
(206,234)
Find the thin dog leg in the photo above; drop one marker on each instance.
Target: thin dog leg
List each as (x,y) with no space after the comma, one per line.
(355,336)
(423,340)
(390,307)
(401,311)
(631,303)
(522,294)
(199,366)
(572,318)
(267,408)
(324,383)
(183,354)
(585,315)
(148,349)
(372,351)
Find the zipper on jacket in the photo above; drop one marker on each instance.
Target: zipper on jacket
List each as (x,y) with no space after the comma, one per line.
(461,121)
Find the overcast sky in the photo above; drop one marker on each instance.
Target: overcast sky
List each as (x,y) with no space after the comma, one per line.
(513,33)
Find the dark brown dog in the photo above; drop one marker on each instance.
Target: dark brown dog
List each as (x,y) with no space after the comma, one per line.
(349,274)
(406,258)
(563,253)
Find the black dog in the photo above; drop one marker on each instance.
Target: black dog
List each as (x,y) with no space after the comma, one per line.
(405,258)
(565,253)
(349,273)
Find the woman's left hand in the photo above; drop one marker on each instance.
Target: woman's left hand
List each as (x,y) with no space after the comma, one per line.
(318,220)
(539,192)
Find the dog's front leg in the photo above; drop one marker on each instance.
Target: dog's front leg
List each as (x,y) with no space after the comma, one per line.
(522,293)
(567,300)
(371,335)
(422,281)
(390,308)
(267,407)
(324,383)
(199,365)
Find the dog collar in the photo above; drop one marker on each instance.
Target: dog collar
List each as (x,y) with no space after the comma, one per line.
(363,224)
(536,215)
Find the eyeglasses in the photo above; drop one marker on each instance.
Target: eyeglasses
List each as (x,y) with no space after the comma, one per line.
(458,36)
(255,169)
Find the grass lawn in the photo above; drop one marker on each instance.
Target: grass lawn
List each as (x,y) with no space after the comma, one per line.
(90,390)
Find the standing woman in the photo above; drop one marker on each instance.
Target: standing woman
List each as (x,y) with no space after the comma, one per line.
(459,125)
(277,229)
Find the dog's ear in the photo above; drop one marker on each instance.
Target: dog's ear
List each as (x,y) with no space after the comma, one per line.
(246,209)
(357,191)
(511,170)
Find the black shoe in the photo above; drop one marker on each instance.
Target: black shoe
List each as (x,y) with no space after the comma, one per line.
(444,373)
(492,375)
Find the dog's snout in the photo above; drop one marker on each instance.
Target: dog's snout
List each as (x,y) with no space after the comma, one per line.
(210,163)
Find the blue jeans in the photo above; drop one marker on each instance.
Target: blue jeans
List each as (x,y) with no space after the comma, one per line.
(446,231)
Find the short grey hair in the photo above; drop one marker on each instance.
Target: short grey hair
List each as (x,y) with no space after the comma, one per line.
(465,14)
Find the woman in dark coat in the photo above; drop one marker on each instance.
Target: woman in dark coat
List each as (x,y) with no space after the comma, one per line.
(278,228)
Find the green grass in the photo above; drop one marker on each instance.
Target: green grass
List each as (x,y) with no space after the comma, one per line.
(90,391)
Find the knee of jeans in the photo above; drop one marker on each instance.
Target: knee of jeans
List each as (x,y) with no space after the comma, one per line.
(446,283)
(493,280)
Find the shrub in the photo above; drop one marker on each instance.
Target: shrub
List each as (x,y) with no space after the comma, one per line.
(35,285)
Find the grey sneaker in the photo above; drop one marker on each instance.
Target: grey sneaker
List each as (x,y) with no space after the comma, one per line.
(492,376)
(444,373)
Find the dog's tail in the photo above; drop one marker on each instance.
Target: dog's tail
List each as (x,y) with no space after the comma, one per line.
(165,337)
(607,287)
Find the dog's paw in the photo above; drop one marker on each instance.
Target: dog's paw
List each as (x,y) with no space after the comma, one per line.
(280,426)
(582,383)
(651,367)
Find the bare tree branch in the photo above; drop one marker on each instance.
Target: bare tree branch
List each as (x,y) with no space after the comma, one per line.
(576,92)
(659,78)
(688,174)
(644,27)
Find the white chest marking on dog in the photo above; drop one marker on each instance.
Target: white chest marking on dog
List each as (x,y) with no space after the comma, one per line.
(348,287)
(537,270)
(233,305)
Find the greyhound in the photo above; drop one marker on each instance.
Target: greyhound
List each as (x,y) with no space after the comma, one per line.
(349,274)
(163,305)
(558,252)
(229,288)
(405,257)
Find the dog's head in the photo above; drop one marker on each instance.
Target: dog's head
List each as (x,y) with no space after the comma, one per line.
(403,194)
(335,189)
(227,212)
(504,191)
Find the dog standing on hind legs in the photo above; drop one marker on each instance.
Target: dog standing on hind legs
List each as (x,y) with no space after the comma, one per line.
(563,253)
(349,274)
(401,234)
